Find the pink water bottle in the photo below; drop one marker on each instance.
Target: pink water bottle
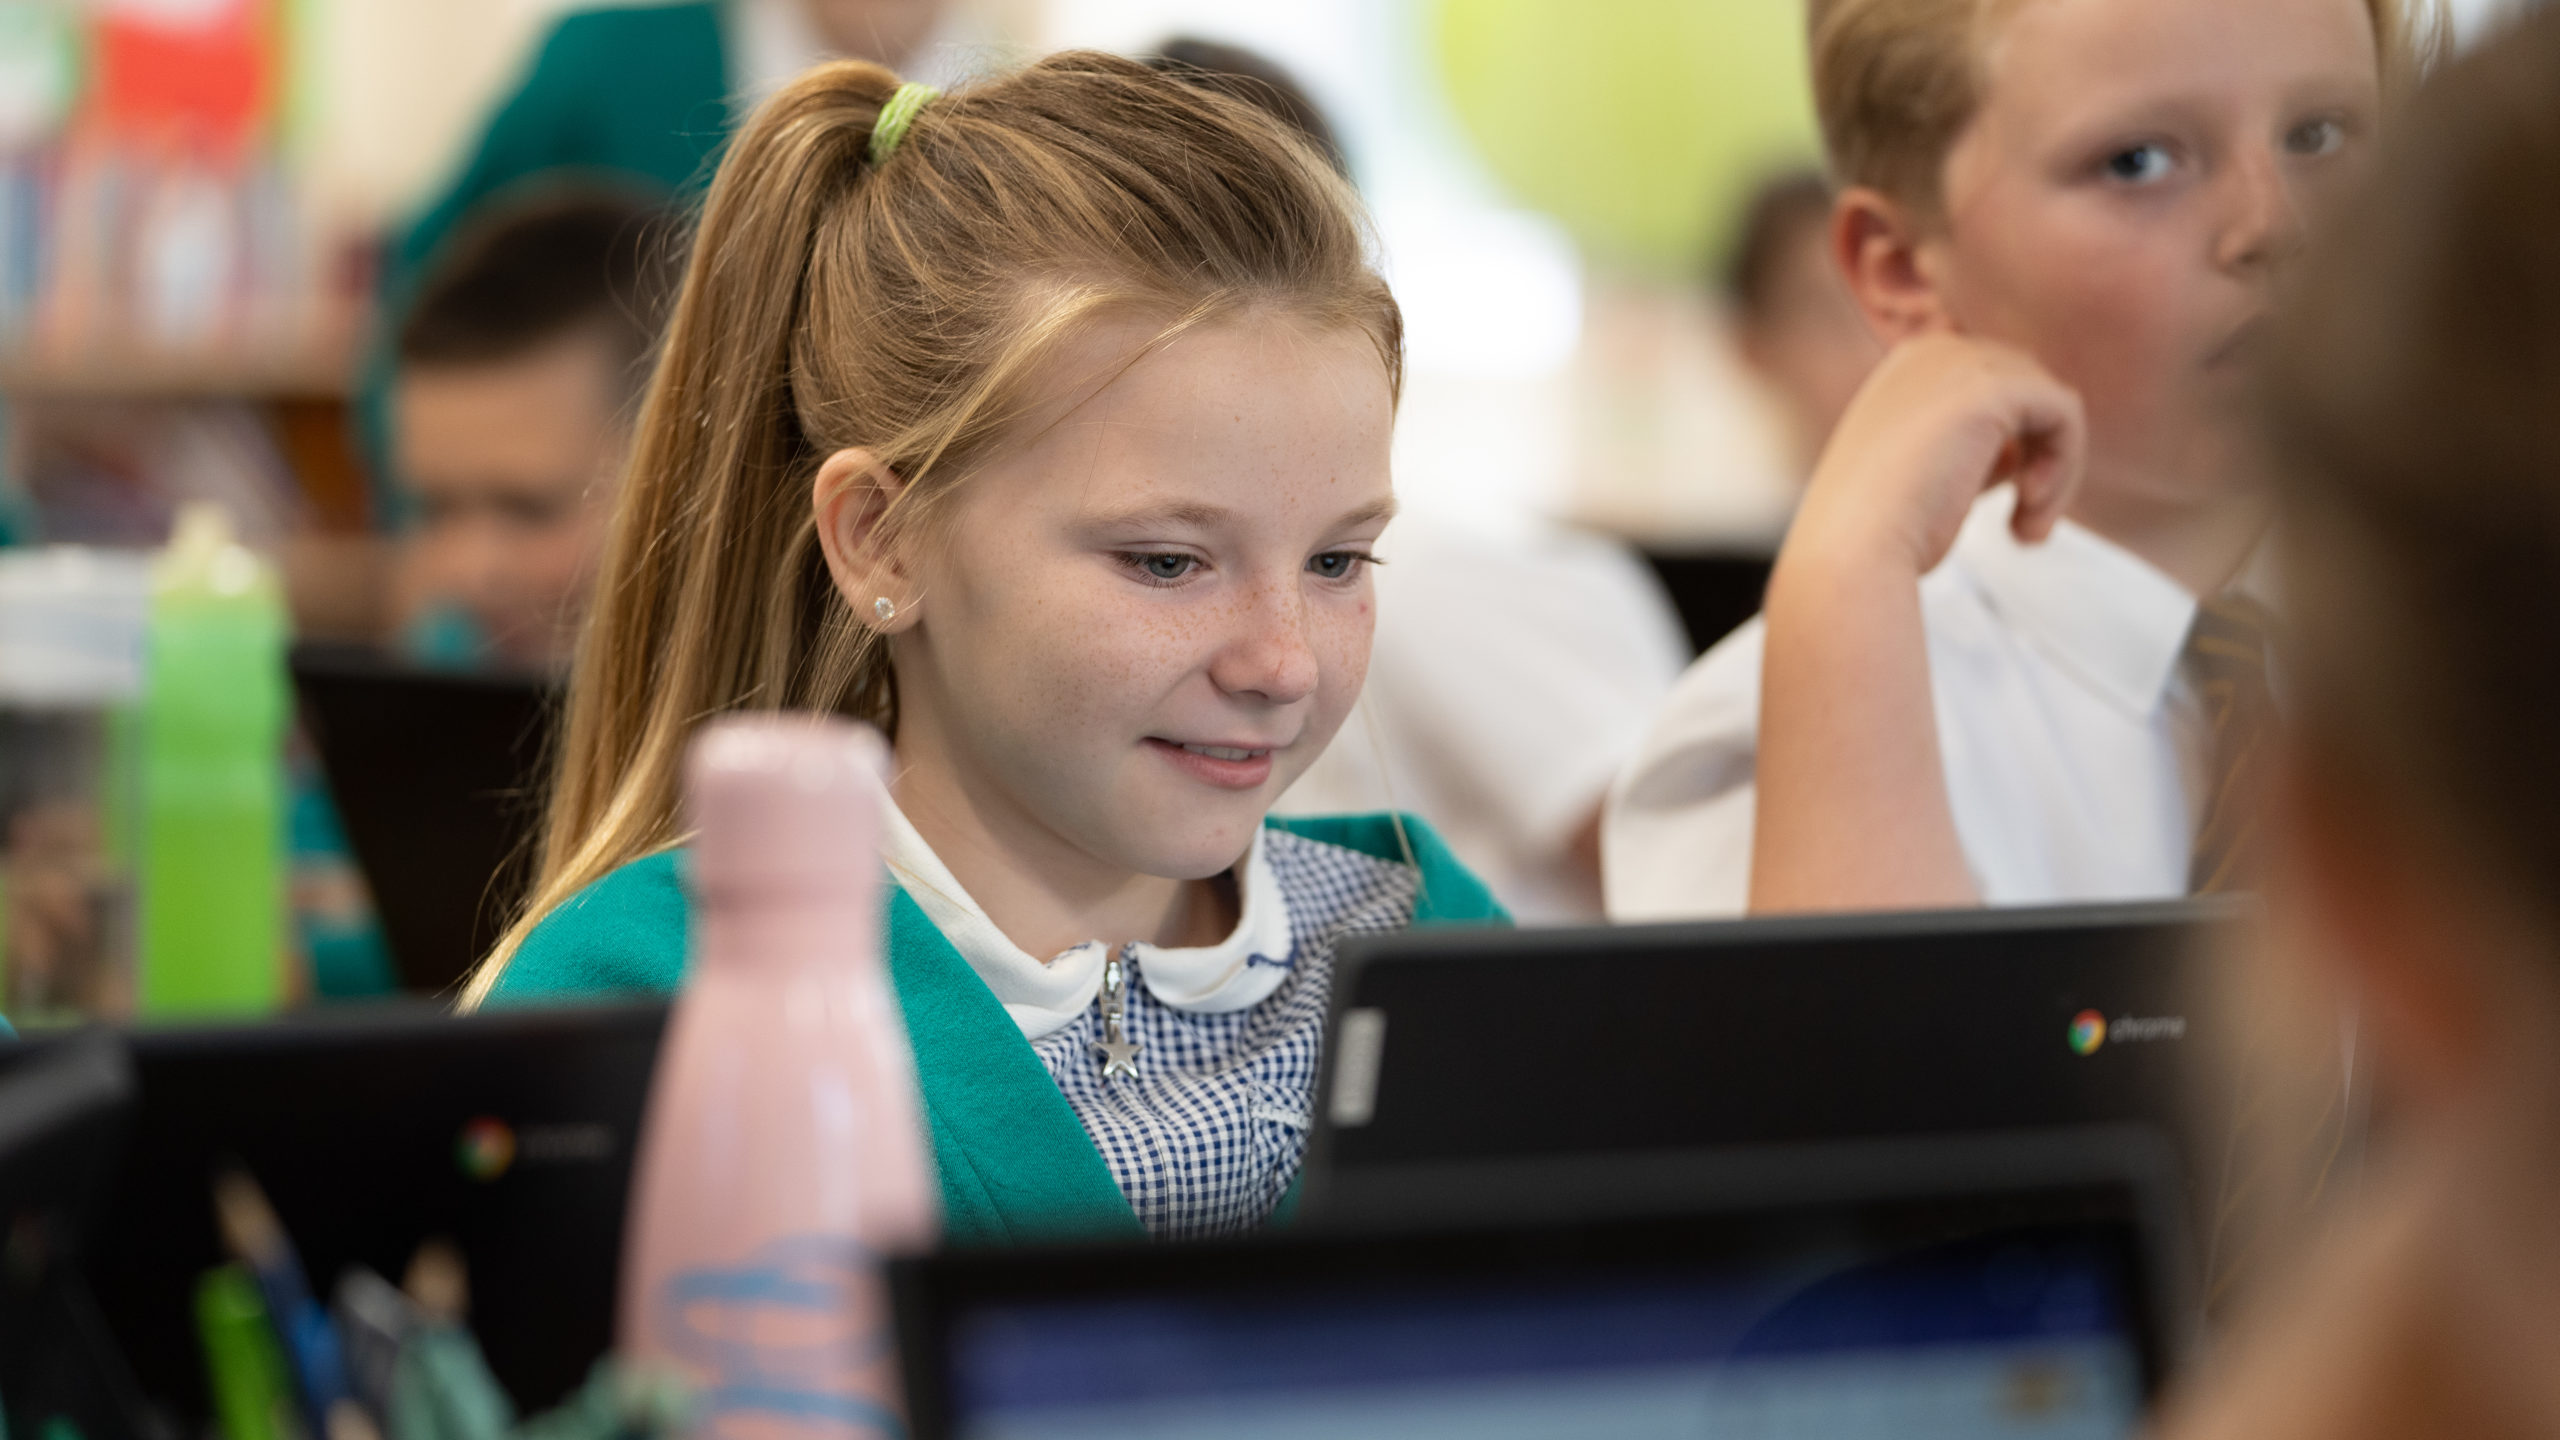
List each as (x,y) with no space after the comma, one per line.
(785,1152)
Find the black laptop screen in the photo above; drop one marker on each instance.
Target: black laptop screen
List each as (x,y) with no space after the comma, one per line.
(2031,1335)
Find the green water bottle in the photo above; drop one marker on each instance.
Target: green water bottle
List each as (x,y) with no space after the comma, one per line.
(213,715)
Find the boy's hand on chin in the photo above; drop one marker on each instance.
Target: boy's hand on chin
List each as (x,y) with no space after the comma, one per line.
(1943,419)
(1852,809)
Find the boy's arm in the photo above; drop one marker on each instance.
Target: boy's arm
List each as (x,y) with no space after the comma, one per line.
(1852,808)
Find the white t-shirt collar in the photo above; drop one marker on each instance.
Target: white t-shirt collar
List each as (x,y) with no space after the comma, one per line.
(1234,974)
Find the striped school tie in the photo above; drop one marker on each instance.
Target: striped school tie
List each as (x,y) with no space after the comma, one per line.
(2283,1145)
(2227,661)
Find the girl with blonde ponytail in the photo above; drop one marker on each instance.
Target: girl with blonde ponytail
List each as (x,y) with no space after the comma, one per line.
(1045,426)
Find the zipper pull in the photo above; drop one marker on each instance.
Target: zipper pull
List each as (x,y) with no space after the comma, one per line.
(1119,1053)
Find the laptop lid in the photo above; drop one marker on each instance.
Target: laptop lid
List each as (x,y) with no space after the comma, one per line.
(1563,1071)
(2022,1313)
(435,775)
(63,1111)
(507,1133)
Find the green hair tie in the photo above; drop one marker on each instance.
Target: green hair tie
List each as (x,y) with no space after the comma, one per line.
(895,117)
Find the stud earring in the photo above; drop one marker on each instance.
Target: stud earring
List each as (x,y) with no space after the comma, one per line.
(885,608)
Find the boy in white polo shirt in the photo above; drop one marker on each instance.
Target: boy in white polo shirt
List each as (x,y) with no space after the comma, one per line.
(1983,674)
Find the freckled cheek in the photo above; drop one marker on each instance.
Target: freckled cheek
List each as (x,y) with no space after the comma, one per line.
(1129,648)
(1341,639)
(1040,643)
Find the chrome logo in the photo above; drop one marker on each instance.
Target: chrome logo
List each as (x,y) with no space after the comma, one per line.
(2088,1032)
(485,1148)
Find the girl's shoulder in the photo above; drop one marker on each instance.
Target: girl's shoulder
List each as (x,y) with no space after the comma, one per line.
(622,935)
(1447,892)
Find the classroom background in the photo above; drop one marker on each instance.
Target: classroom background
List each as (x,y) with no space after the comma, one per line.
(1594,391)
(200,202)
(271,776)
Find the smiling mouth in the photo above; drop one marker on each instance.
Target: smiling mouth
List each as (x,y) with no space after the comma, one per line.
(1228,767)
(1221,752)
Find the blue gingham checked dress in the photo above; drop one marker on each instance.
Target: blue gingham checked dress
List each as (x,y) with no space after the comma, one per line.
(1210,1134)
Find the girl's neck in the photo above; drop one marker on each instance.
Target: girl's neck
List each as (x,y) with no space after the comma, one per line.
(2202,544)
(1045,894)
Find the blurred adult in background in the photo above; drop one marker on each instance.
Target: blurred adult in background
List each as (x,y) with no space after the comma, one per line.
(1512,672)
(2417,450)
(518,372)
(1795,324)
(645,96)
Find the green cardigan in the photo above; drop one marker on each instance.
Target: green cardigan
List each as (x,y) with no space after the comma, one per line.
(1016,1164)
(638,94)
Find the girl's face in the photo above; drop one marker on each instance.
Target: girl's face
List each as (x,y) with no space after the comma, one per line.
(2122,201)
(1147,622)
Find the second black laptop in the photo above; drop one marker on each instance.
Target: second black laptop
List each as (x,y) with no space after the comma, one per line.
(1502,1074)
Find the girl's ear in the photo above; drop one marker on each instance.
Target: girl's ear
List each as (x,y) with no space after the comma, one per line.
(1879,245)
(852,497)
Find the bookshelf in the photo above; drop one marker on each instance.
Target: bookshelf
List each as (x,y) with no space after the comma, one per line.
(162,232)
(309,374)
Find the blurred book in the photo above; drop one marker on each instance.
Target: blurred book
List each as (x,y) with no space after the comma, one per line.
(154,232)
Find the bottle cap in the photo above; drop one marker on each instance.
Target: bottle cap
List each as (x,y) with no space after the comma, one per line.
(205,558)
(784,804)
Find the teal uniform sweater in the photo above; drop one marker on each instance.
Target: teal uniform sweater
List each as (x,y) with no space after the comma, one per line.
(1016,1164)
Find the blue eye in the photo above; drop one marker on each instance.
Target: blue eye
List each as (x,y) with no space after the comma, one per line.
(1337,564)
(2139,164)
(1161,567)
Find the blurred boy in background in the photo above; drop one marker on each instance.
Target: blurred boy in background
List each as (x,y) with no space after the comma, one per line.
(518,375)
(2011,651)
(519,370)
(1795,324)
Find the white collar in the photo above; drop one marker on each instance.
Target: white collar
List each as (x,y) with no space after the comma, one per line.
(2095,608)
(1234,974)
(772,41)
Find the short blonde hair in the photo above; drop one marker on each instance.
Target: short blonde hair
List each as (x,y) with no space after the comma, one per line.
(1896,81)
